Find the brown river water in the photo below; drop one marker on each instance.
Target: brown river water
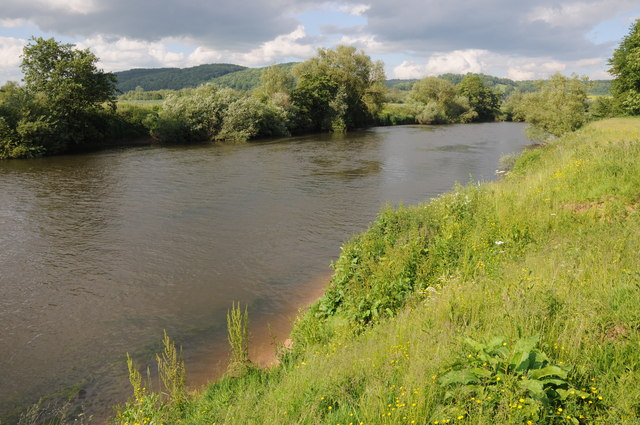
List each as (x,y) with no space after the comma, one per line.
(100,252)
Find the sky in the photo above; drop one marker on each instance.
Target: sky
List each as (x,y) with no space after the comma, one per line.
(414,38)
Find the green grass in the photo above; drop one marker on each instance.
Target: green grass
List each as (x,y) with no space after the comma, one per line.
(434,303)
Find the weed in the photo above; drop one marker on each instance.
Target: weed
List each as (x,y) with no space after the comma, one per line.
(238,329)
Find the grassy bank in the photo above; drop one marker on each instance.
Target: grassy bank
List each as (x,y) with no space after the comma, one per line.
(513,302)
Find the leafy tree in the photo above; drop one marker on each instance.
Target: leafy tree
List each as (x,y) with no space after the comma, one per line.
(361,84)
(275,79)
(69,77)
(248,117)
(193,115)
(438,102)
(61,103)
(312,99)
(482,99)
(625,65)
(511,108)
(560,106)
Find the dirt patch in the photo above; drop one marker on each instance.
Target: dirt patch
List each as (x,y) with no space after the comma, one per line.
(616,332)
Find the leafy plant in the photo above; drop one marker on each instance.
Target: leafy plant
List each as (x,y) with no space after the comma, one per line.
(520,376)
(172,372)
(238,328)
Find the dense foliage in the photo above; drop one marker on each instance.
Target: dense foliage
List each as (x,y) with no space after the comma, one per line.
(437,102)
(625,66)
(339,89)
(560,106)
(247,79)
(172,78)
(482,99)
(65,101)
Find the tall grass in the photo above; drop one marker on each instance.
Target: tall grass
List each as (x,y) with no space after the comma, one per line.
(534,280)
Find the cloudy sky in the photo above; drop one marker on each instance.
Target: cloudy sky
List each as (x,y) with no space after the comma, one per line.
(414,38)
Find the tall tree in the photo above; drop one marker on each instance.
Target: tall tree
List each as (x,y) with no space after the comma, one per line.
(437,102)
(560,106)
(625,66)
(69,77)
(60,104)
(344,83)
(482,99)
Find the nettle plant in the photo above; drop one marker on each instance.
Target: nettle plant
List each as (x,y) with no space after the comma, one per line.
(518,381)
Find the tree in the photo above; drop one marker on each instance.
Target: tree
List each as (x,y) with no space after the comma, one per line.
(340,88)
(437,102)
(625,66)
(69,77)
(275,80)
(560,106)
(60,104)
(482,99)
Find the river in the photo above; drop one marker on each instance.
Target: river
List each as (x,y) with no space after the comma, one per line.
(103,251)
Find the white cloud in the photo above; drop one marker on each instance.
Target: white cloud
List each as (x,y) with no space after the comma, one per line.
(81,7)
(10,51)
(355,10)
(292,45)
(581,14)
(533,68)
(483,61)
(124,53)
(283,46)
(589,62)
(365,42)
(12,23)
(408,70)
(457,62)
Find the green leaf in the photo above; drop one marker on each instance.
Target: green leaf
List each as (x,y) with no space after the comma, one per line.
(539,360)
(554,381)
(527,344)
(481,373)
(520,360)
(474,344)
(463,377)
(548,371)
(534,387)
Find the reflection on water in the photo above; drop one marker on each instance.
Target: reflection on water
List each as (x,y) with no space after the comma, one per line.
(103,251)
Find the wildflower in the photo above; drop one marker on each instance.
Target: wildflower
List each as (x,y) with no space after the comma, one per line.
(499,242)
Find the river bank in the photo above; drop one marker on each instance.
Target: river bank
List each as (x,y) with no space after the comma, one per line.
(208,225)
(511,302)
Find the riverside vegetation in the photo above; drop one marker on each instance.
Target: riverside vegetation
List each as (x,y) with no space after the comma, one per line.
(67,103)
(512,302)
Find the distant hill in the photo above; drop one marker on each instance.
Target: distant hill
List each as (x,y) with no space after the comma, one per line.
(172,78)
(246,79)
(242,78)
(503,85)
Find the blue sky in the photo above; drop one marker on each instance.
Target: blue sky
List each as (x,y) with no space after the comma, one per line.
(414,38)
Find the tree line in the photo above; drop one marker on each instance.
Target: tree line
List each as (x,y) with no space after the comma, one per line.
(67,101)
